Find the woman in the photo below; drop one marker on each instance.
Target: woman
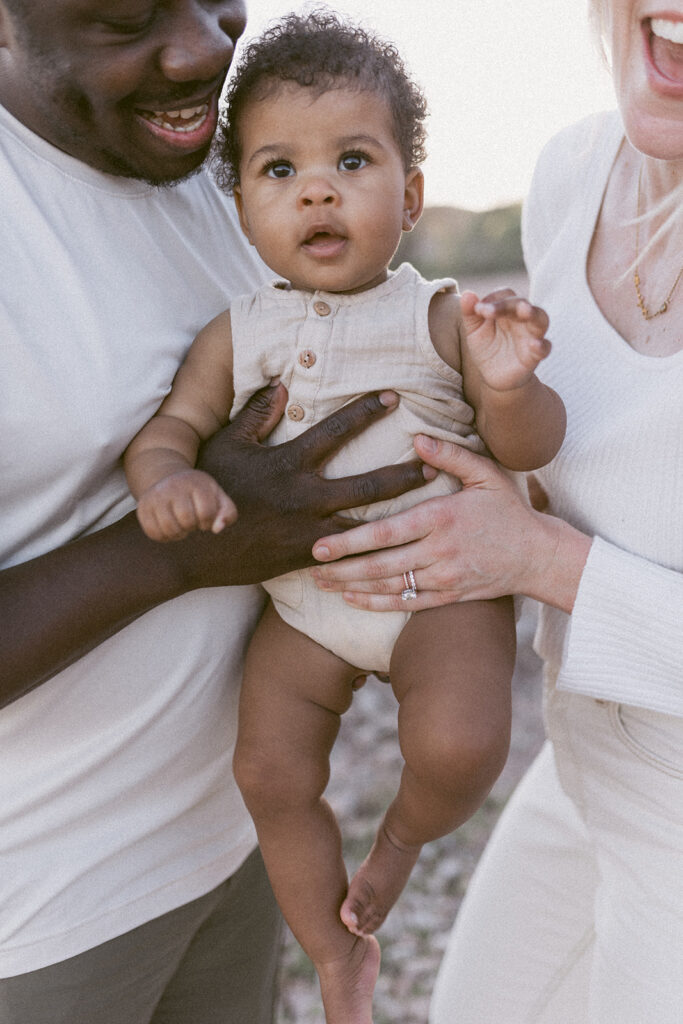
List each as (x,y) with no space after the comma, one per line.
(575,912)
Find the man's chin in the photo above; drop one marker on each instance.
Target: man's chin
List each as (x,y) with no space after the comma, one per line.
(171,182)
(158,176)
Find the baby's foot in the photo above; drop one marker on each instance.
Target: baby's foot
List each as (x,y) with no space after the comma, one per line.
(378,883)
(347,984)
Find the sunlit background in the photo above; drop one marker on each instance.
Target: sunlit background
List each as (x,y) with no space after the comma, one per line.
(501,76)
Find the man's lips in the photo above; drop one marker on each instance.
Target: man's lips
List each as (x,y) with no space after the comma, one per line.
(324,243)
(664,54)
(189,126)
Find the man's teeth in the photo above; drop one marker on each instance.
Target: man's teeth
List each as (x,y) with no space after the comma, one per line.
(187,119)
(671,30)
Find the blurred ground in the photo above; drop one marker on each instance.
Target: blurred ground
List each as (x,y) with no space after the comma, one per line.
(365,769)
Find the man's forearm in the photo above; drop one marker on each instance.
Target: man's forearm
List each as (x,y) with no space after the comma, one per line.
(56,608)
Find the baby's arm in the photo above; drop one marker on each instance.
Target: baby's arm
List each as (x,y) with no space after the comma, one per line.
(174,498)
(497,345)
(503,340)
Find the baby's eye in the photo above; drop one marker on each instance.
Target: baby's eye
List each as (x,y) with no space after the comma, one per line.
(279,169)
(352,161)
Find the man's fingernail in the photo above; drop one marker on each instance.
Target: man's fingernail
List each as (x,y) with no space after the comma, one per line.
(429,473)
(388,399)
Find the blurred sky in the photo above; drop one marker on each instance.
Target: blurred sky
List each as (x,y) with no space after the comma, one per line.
(501,76)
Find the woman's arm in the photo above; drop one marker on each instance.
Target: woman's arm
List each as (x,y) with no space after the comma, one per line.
(625,641)
(59,606)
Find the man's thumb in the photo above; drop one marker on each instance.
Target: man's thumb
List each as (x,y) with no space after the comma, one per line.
(259,414)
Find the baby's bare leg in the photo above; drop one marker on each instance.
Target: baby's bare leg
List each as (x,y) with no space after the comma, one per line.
(293,695)
(450,670)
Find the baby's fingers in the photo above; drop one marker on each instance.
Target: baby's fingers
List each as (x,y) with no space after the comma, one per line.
(213,510)
(513,307)
(226,515)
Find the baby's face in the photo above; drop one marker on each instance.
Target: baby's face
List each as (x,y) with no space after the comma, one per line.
(323,194)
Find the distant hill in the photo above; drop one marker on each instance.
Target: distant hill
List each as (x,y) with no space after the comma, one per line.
(448,241)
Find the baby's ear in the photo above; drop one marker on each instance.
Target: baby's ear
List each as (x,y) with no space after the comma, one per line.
(241,212)
(413,198)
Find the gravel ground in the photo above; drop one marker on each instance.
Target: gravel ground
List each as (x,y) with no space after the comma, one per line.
(365,769)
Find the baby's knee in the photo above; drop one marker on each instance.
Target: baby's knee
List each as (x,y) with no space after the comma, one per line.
(462,759)
(272,784)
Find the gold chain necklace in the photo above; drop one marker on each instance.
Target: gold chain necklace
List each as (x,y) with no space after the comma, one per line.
(647,315)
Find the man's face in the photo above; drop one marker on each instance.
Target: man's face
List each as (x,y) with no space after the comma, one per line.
(129,87)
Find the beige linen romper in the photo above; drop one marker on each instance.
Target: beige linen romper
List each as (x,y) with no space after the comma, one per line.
(327,349)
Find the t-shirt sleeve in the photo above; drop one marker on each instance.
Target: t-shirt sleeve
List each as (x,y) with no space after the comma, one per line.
(625,637)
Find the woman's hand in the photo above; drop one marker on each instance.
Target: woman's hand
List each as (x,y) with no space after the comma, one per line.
(483,542)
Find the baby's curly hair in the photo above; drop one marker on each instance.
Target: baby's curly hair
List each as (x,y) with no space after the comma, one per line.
(319,50)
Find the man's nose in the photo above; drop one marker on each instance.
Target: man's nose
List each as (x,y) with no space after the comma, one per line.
(200,38)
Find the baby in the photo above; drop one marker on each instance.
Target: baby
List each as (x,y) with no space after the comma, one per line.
(321,145)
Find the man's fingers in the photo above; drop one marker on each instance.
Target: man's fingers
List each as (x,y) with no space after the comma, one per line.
(377,485)
(323,439)
(257,418)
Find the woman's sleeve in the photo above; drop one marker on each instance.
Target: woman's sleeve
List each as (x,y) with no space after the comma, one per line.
(625,637)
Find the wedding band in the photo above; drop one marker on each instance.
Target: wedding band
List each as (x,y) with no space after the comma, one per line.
(410,591)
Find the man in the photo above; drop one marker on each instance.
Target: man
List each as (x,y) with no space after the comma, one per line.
(129,889)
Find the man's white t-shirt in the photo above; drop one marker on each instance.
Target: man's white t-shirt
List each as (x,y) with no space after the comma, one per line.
(117,802)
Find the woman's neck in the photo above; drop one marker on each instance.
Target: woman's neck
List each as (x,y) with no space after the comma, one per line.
(624,245)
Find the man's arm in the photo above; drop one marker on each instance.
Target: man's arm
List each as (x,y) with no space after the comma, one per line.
(57,607)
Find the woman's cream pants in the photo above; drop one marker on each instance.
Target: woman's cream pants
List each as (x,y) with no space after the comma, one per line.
(575,912)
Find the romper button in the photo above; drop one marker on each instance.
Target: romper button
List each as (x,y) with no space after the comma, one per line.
(307,358)
(321,308)
(295,412)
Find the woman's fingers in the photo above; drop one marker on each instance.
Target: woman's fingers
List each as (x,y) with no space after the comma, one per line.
(378,537)
(395,603)
(472,469)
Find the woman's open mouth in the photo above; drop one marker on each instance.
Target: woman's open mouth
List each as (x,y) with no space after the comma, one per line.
(664,47)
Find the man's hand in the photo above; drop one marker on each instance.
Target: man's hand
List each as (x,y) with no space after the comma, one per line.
(284,503)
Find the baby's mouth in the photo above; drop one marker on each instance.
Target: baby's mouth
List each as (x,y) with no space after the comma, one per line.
(324,244)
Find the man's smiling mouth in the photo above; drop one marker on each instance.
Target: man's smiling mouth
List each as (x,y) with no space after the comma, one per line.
(184,120)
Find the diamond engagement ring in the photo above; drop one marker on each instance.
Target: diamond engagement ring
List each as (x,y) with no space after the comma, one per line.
(410,591)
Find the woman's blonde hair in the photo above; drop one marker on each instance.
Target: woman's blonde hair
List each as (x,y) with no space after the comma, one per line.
(598,17)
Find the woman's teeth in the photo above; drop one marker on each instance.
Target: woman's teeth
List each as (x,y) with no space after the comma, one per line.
(671,30)
(187,119)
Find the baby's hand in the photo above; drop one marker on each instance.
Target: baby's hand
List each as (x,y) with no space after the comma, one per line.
(183,502)
(505,337)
